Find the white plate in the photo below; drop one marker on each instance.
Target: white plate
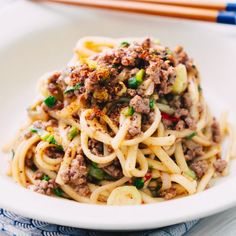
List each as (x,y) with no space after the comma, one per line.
(38,38)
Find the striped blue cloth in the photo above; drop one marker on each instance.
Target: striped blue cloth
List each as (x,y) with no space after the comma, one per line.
(16,225)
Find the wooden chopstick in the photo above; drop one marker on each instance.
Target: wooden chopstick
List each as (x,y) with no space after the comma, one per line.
(154,9)
(220,6)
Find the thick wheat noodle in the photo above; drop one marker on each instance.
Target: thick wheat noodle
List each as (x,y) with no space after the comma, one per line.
(39,152)
(131,158)
(179,157)
(18,164)
(160,141)
(203,141)
(157,165)
(143,165)
(166,181)
(165,159)
(148,132)
(90,155)
(120,135)
(147,199)
(190,186)
(92,131)
(94,196)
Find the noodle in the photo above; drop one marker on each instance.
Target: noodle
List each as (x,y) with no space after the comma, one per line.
(125,123)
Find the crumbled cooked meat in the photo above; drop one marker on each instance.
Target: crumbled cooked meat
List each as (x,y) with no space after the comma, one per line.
(168,193)
(131,92)
(134,128)
(52,87)
(199,167)
(76,174)
(96,147)
(216,135)
(191,123)
(187,102)
(114,169)
(180,125)
(181,112)
(54,152)
(38,175)
(140,105)
(220,165)
(43,186)
(192,150)
(82,189)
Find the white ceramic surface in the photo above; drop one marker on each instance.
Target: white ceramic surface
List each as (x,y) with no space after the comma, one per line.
(38,38)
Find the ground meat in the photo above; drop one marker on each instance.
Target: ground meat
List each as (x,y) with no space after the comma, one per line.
(181,112)
(134,128)
(76,174)
(180,125)
(199,167)
(43,186)
(216,135)
(191,123)
(187,102)
(168,193)
(114,169)
(140,105)
(82,190)
(220,165)
(192,150)
(131,92)
(54,152)
(96,147)
(52,84)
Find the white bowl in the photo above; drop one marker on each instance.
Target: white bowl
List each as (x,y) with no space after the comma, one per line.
(39,38)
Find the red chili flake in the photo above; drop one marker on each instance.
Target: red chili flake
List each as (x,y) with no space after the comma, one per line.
(168,117)
(147,177)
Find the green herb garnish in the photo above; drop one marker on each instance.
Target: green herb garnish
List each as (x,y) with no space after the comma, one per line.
(191,174)
(139,76)
(199,88)
(124,44)
(138,183)
(152,103)
(50,101)
(72,133)
(130,111)
(57,191)
(46,178)
(132,83)
(191,135)
(73,88)
(96,172)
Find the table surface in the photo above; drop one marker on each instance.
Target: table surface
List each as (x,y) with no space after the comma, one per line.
(220,224)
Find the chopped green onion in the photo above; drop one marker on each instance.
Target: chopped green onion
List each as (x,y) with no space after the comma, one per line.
(138,183)
(57,191)
(181,80)
(152,103)
(139,76)
(73,88)
(130,111)
(72,133)
(46,178)
(96,173)
(169,52)
(124,44)
(45,136)
(132,83)
(50,101)
(191,174)
(191,135)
